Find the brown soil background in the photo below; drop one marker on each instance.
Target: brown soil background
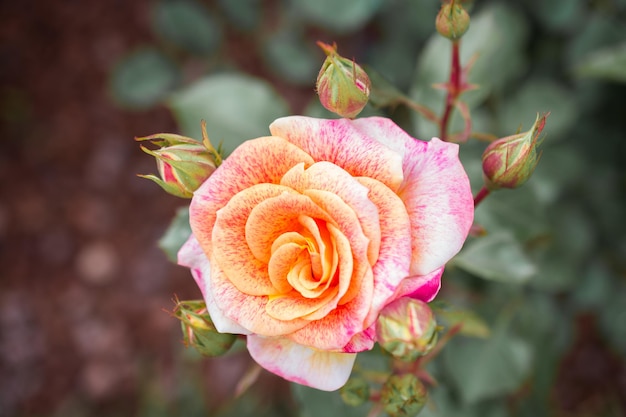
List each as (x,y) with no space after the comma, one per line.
(82,283)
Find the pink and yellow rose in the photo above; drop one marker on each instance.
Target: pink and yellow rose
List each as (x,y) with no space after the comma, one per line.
(301,238)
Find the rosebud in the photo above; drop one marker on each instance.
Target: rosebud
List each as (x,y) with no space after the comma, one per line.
(407,329)
(510,161)
(199,331)
(342,85)
(403,395)
(355,392)
(183,163)
(452,21)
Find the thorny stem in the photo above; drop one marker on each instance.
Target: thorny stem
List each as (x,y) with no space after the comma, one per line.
(454,90)
(484,192)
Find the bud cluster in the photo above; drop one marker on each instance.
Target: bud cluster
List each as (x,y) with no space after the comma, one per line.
(407,329)
(183,163)
(509,162)
(199,331)
(342,85)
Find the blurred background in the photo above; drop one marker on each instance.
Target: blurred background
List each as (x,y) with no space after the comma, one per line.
(85,289)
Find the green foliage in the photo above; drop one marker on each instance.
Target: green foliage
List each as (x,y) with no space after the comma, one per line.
(497,257)
(176,234)
(608,64)
(186,24)
(221,100)
(143,78)
(340,17)
(487,368)
(553,249)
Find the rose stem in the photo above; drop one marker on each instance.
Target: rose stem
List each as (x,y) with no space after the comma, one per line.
(484,192)
(454,88)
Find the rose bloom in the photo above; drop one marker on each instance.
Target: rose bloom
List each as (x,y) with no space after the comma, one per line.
(301,238)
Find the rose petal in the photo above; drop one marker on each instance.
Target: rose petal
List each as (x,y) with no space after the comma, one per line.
(435,189)
(231,236)
(246,310)
(192,256)
(421,287)
(337,141)
(362,341)
(327,371)
(395,245)
(343,185)
(336,330)
(262,160)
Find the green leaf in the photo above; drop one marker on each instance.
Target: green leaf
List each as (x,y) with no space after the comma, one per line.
(517,211)
(449,315)
(606,64)
(487,368)
(176,234)
(244,14)
(143,78)
(293,57)
(497,35)
(383,93)
(497,257)
(187,24)
(339,16)
(539,96)
(315,403)
(236,108)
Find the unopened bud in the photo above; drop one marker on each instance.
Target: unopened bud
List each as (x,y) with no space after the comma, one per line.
(183,163)
(199,331)
(452,21)
(403,395)
(355,392)
(342,85)
(407,329)
(509,162)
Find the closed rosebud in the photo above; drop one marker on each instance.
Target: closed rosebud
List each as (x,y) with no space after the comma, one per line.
(355,392)
(403,395)
(342,85)
(452,21)
(199,331)
(509,162)
(407,329)
(183,163)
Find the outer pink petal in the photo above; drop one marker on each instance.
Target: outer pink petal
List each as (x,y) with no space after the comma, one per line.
(192,256)
(362,341)
(421,287)
(394,257)
(435,189)
(262,160)
(337,141)
(327,371)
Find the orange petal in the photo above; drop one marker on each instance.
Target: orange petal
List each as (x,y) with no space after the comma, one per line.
(262,160)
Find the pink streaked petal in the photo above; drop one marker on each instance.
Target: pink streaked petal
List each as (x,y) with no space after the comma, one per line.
(331,179)
(336,330)
(362,341)
(293,305)
(337,141)
(421,287)
(394,257)
(230,248)
(246,310)
(439,201)
(326,371)
(192,256)
(262,160)
(435,190)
